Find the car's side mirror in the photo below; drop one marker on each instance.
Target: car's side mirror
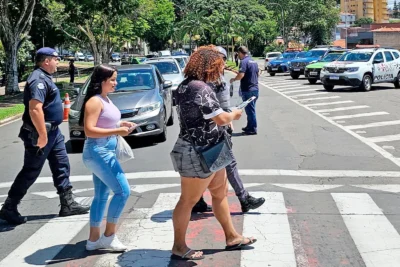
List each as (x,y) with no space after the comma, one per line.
(76,91)
(378,61)
(167,84)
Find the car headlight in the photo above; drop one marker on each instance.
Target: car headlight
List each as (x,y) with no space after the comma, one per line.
(314,61)
(289,63)
(354,69)
(74,113)
(149,108)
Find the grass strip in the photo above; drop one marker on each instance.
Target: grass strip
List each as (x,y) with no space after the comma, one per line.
(7,112)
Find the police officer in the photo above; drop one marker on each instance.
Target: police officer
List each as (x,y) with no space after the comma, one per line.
(247,201)
(42,140)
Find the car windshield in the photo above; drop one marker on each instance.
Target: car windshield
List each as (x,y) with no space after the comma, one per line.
(315,53)
(301,55)
(136,79)
(331,57)
(180,61)
(288,56)
(357,57)
(273,55)
(166,67)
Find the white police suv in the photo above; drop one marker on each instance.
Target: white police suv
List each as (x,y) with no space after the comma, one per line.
(362,67)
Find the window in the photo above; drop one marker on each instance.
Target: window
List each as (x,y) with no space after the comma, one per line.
(166,67)
(136,79)
(378,56)
(395,54)
(388,56)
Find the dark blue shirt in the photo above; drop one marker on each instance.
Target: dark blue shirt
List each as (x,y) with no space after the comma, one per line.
(250,69)
(41,87)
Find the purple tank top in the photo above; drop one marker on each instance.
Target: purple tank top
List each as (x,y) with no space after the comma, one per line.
(109,116)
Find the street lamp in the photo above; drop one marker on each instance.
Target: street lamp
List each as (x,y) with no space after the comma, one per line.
(283,20)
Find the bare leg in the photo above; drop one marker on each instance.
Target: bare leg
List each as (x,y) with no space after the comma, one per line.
(111,228)
(94,234)
(191,191)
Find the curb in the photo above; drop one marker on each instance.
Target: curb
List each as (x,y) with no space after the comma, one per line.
(11,119)
(232,70)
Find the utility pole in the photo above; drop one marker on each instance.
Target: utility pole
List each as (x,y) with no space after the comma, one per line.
(345,19)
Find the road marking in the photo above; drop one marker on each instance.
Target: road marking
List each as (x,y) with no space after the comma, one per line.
(293,88)
(318,98)
(283,82)
(148,234)
(329,103)
(387,138)
(300,91)
(43,245)
(388,147)
(361,132)
(321,93)
(341,122)
(274,243)
(370,114)
(308,187)
(374,146)
(372,125)
(392,188)
(244,172)
(341,109)
(375,237)
(3,195)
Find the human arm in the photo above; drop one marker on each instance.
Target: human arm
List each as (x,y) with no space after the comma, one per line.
(93,109)
(37,116)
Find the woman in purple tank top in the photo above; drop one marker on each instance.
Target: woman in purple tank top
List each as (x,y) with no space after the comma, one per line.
(101,120)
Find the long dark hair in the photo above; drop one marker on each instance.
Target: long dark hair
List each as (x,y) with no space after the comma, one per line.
(100,74)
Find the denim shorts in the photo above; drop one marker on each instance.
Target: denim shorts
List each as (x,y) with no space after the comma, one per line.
(186,161)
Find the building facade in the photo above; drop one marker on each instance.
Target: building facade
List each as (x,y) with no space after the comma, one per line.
(377,10)
(387,37)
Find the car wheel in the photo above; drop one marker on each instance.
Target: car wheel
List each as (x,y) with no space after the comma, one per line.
(329,87)
(294,76)
(366,83)
(397,81)
(171,118)
(312,81)
(272,74)
(76,146)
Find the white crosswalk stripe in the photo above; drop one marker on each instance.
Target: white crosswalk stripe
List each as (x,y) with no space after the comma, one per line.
(148,233)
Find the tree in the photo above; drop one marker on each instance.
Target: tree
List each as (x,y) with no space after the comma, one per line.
(395,10)
(15,24)
(363,21)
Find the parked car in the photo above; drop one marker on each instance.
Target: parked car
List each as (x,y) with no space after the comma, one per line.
(280,65)
(142,95)
(312,71)
(170,70)
(89,57)
(362,68)
(68,57)
(270,57)
(298,66)
(79,56)
(130,60)
(115,57)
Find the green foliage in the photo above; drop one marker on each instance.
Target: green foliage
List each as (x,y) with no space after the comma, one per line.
(363,21)
(274,47)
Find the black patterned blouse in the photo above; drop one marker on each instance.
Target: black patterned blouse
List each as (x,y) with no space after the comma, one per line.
(197,103)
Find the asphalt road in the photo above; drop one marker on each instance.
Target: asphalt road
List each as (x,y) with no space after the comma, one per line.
(330,176)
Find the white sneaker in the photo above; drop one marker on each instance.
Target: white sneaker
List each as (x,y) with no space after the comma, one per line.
(112,243)
(93,245)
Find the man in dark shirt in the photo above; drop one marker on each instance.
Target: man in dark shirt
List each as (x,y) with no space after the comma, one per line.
(248,77)
(42,140)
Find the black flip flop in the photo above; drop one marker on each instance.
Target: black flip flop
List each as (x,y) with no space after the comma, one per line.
(184,258)
(241,245)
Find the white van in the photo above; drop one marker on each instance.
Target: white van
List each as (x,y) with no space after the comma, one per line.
(79,56)
(164,53)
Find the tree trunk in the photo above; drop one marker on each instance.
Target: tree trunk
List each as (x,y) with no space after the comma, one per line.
(233,49)
(11,68)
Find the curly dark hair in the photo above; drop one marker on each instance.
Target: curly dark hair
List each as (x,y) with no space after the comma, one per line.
(206,64)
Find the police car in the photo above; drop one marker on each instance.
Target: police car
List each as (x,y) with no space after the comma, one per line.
(363,67)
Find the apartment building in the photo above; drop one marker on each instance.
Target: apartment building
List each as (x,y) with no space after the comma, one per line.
(374,9)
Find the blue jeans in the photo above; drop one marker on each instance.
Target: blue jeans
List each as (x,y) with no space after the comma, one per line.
(251,110)
(99,156)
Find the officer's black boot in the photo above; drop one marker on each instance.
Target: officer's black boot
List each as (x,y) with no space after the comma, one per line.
(9,212)
(251,203)
(201,206)
(69,206)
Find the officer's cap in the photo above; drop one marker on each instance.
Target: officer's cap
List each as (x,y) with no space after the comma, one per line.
(47,51)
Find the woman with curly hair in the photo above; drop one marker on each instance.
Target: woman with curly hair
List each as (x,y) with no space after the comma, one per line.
(201,120)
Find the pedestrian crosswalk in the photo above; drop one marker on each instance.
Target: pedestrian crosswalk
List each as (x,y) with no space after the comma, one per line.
(370,124)
(289,228)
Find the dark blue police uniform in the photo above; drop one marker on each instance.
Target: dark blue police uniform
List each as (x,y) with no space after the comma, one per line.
(41,87)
